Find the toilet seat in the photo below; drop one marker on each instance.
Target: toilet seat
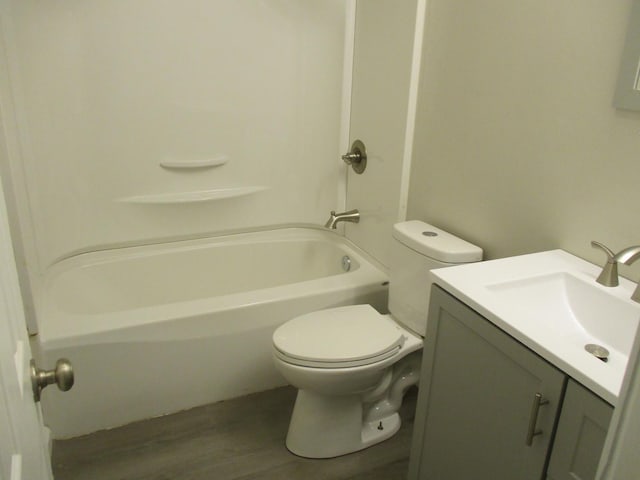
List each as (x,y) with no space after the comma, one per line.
(340,337)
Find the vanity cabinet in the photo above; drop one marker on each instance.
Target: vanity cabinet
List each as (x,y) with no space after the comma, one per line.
(582,429)
(487,405)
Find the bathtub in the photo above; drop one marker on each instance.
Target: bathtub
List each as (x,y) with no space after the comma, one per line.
(160,328)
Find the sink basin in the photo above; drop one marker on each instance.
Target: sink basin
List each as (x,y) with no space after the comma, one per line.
(580,312)
(551,303)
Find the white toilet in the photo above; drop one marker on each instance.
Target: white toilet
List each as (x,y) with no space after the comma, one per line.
(352,365)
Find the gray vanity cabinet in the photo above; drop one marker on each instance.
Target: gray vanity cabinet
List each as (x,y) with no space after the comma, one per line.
(476,417)
(582,429)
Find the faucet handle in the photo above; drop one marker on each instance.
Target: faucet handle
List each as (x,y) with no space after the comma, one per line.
(356,157)
(609,275)
(604,248)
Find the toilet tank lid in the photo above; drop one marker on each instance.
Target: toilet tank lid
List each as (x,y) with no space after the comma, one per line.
(435,243)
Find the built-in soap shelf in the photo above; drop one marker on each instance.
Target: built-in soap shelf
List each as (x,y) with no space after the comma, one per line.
(216,161)
(197,196)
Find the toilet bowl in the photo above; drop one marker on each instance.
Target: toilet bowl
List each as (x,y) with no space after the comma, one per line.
(352,365)
(343,383)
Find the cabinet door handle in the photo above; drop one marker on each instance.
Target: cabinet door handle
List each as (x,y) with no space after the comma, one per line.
(538,401)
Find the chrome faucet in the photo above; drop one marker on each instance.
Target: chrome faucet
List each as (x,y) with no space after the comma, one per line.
(609,275)
(350,216)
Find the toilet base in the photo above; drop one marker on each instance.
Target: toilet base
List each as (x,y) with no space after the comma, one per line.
(325,426)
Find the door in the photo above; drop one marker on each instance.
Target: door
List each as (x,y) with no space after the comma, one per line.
(581,433)
(23,439)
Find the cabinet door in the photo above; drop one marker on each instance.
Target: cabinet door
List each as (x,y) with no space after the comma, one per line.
(477,389)
(582,429)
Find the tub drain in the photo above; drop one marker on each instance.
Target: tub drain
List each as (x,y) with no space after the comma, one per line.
(597,351)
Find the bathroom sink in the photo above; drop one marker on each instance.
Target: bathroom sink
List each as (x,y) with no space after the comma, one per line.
(551,302)
(578,311)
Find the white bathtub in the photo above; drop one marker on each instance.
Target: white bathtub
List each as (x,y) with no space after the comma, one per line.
(160,328)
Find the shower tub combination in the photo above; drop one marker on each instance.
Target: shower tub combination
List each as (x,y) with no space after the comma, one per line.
(160,328)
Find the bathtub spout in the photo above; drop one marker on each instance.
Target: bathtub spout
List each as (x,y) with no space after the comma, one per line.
(349,216)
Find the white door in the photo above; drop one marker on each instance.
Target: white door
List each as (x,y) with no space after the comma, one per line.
(23,440)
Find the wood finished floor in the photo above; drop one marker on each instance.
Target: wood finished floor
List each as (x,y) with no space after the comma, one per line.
(236,439)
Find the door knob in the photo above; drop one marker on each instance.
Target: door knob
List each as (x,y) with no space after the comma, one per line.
(62,376)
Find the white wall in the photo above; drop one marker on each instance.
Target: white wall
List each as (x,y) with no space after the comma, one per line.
(107,90)
(517,145)
(381,80)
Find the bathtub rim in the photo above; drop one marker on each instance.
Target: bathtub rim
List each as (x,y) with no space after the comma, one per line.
(64,328)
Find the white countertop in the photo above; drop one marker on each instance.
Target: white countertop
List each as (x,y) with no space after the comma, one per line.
(546,328)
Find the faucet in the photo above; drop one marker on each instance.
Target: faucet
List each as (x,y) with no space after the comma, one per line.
(350,216)
(609,275)
(628,256)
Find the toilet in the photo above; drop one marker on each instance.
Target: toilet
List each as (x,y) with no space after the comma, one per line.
(352,365)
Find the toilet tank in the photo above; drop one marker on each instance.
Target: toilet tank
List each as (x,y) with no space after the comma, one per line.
(417,248)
